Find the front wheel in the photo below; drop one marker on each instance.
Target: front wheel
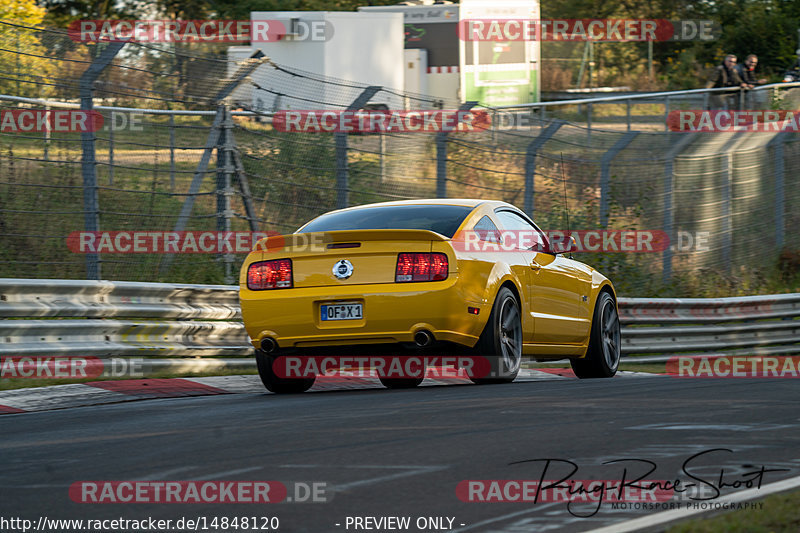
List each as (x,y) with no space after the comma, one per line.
(501,340)
(603,354)
(276,384)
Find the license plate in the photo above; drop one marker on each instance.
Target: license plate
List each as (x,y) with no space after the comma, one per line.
(341,312)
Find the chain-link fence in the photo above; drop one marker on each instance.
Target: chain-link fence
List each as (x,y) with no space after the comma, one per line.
(188,143)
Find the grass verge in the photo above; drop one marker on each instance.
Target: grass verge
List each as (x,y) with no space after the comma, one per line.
(779,514)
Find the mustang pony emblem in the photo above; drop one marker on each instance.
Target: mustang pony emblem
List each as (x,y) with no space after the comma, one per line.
(343,269)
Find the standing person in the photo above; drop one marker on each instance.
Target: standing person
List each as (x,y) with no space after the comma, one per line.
(747,72)
(725,75)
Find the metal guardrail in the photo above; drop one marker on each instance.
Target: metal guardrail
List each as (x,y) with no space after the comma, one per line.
(666,96)
(92,318)
(636,311)
(27,298)
(190,321)
(749,325)
(698,97)
(60,104)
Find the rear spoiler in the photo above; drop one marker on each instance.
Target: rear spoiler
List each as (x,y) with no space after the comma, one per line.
(344,236)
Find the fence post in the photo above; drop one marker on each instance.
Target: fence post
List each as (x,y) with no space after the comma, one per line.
(530,163)
(47,136)
(727,200)
(18,55)
(91,202)
(669,213)
(605,174)
(628,112)
(669,218)
(244,189)
(111,150)
(340,142)
(727,225)
(441,153)
(589,123)
(777,147)
(213,142)
(171,152)
(382,149)
(224,182)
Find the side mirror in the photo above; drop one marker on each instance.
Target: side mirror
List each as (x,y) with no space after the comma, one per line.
(564,246)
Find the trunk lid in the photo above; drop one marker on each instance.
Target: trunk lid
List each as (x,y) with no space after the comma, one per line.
(350,257)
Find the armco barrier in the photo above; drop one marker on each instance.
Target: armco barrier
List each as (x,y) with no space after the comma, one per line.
(757,325)
(108,319)
(30,298)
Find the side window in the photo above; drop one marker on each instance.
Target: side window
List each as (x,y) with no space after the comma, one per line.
(524,234)
(487,231)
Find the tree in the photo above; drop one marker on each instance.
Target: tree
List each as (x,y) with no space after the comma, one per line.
(23,69)
(61,12)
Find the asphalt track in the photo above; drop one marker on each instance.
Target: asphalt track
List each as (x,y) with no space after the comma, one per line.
(401,452)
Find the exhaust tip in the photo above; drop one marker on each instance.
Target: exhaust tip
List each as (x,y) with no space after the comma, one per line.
(423,338)
(268,345)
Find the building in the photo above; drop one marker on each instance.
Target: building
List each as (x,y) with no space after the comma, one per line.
(439,62)
(411,48)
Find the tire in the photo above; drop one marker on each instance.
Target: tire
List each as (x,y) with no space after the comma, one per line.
(403,383)
(603,353)
(277,384)
(501,340)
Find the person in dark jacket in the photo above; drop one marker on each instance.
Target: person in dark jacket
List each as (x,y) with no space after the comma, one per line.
(725,75)
(747,72)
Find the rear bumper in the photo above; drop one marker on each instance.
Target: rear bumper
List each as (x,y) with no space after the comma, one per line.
(393,313)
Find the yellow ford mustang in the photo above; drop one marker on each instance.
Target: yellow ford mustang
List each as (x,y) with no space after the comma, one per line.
(434,276)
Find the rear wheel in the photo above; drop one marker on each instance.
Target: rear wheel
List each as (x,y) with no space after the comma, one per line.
(276,384)
(403,383)
(603,354)
(501,340)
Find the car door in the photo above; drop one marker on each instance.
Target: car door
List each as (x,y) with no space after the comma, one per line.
(557,290)
(516,260)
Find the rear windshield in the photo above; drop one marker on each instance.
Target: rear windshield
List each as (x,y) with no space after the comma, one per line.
(443,219)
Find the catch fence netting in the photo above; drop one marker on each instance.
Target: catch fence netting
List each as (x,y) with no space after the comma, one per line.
(188,143)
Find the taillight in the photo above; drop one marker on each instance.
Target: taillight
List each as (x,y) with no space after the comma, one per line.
(275,274)
(421,267)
